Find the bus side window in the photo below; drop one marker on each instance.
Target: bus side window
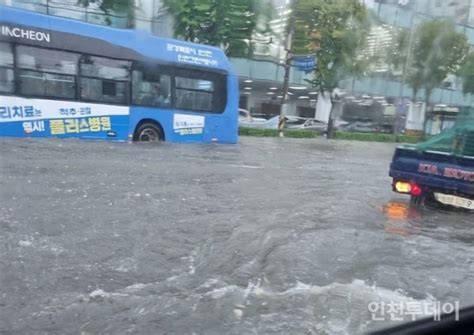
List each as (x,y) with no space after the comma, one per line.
(104,79)
(46,72)
(200,91)
(151,87)
(7,82)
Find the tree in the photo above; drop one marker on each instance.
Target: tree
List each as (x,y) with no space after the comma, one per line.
(467,75)
(398,49)
(335,31)
(438,50)
(229,24)
(111,7)
(429,53)
(433,50)
(192,18)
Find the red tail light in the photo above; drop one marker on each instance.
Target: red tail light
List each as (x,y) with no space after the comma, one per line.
(415,190)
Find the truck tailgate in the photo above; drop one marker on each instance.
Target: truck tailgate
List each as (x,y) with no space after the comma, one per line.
(436,170)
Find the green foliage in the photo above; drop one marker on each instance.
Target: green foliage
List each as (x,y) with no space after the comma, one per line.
(335,31)
(192,18)
(300,133)
(245,131)
(376,137)
(304,21)
(436,50)
(340,135)
(398,49)
(229,24)
(114,7)
(409,139)
(467,75)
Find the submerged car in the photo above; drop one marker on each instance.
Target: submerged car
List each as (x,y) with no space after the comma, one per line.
(247,120)
(309,124)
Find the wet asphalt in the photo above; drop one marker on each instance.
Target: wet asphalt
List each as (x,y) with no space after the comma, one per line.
(269,236)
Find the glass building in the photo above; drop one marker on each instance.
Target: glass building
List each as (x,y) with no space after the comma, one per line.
(262,75)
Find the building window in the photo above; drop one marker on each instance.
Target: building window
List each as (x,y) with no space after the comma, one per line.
(104,79)
(45,72)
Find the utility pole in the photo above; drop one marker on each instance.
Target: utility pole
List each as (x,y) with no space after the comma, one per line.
(288,59)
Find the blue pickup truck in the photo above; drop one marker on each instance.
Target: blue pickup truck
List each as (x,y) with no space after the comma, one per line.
(440,170)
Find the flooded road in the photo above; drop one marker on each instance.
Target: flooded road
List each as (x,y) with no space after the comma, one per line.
(270,236)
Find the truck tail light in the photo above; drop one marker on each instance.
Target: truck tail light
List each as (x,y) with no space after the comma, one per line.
(402,187)
(408,188)
(415,190)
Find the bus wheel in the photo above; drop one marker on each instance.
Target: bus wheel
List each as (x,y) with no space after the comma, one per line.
(149,132)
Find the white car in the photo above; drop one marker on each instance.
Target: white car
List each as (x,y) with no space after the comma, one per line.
(247,120)
(310,124)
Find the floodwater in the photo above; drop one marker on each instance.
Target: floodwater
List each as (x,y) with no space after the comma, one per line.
(270,236)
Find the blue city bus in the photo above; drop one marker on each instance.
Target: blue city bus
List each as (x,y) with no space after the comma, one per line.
(66,78)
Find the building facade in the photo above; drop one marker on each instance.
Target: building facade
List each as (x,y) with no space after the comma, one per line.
(262,75)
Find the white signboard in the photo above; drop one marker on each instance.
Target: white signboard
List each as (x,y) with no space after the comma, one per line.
(192,55)
(415,116)
(185,124)
(23,109)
